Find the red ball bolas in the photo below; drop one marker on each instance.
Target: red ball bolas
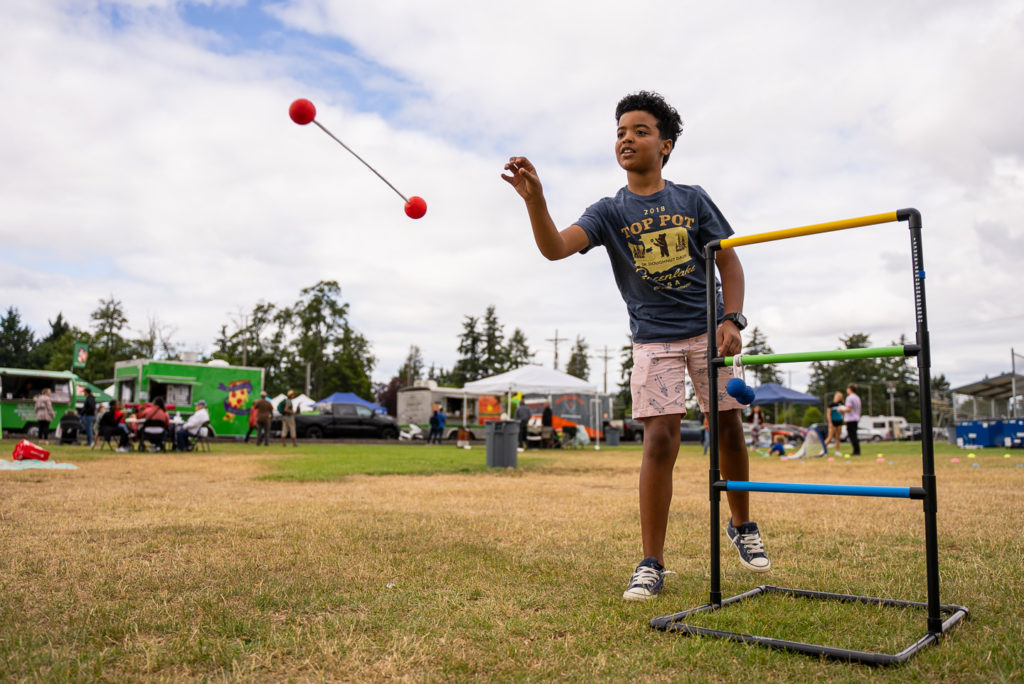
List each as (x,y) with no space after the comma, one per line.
(415,207)
(302,111)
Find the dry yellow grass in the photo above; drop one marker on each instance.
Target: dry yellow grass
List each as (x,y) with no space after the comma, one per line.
(191,567)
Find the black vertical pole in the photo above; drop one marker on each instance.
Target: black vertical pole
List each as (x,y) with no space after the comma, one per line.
(714,474)
(924,364)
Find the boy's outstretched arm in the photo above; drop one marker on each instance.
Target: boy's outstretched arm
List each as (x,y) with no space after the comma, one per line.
(553,244)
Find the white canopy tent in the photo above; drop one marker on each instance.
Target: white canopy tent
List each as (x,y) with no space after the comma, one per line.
(534,380)
(302,403)
(531,379)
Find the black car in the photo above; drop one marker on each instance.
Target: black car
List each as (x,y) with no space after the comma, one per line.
(343,420)
(632,430)
(689,430)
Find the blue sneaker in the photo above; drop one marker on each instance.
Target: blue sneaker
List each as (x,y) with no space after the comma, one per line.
(648,579)
(747,540)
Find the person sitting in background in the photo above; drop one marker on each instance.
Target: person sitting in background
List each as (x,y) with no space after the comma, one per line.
(155,423)
(192,426)
(778,447)
(111,424)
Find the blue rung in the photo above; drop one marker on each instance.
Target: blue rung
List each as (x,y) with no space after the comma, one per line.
(836,490)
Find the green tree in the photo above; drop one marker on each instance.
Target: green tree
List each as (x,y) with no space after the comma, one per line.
(412,369)
(758,344)
(156,341)
(899,373)
(495,358)
(866,374)
(107,344)
(61,350)
(16,341)
(517,350)
(469,366)
(337,357)
(110,320)
(579,362)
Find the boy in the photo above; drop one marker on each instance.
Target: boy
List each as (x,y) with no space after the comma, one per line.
(654,232)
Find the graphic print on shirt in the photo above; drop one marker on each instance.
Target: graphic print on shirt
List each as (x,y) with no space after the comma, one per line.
(661,253)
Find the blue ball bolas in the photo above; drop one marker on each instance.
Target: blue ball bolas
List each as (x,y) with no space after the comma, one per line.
(740,391)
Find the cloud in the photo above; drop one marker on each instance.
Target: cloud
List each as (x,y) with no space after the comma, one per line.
(150,157)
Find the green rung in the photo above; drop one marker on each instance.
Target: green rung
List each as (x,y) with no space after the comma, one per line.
(833,355)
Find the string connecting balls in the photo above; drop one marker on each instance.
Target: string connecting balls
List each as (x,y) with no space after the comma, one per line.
(303,112)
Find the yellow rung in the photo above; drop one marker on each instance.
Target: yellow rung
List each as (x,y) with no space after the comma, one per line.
(875,219)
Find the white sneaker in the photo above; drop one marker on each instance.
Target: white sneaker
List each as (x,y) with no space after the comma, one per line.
(747,540)
(647,581)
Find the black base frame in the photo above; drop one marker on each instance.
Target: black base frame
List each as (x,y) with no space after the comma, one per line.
(675,623)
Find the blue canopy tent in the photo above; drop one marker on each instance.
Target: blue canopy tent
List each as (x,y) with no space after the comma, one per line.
(774,393)
(349,398)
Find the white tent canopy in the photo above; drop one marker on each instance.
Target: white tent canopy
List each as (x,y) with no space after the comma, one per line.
(302,403)
(531,380)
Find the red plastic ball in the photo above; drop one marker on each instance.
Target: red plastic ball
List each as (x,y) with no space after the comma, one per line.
(416,207)
(302,111)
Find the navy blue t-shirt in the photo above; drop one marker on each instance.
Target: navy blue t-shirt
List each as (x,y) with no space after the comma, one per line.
(656,247)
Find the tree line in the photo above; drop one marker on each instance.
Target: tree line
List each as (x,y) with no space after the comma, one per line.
(307,345)
(310,345)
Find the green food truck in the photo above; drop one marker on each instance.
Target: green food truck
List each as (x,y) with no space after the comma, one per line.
(229,391)
(19,388)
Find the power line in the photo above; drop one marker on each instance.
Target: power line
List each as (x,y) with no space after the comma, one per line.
(556,339)
(605,357)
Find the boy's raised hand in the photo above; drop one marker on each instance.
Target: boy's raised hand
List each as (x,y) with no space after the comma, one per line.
(523,178)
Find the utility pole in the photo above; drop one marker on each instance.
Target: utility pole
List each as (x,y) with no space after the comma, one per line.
(556,339)
(604,357)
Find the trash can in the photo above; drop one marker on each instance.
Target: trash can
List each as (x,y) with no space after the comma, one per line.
(611,436)
(502,440)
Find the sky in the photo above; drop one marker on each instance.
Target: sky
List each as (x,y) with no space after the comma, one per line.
(149,156)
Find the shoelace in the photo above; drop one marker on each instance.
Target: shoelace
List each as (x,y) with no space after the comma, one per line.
(645,576)
(751,541)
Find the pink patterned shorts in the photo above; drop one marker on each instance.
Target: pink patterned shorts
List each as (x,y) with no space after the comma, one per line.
(658,383)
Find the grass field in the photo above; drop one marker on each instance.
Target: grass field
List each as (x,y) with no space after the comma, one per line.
(417,563)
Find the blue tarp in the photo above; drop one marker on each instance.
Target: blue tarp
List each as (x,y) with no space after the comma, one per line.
(773,393)
(349,398)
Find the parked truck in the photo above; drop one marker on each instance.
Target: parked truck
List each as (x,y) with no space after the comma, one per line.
(19,388)
(341,419)
(229,391)
(462,409)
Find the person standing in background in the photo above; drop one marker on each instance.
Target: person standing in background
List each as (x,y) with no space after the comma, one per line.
(44,414)
(264,415)
(88,416)
(851,412)
(288,419)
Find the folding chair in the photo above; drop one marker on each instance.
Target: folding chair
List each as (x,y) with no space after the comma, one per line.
(201,440)
(148,433)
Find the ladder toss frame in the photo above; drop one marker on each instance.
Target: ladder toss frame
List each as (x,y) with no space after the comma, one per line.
(936,623)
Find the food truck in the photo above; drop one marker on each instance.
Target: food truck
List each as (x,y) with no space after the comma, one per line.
(229,391)
(19,388)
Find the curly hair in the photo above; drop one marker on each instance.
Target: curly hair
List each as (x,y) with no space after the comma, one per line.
(670,125)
